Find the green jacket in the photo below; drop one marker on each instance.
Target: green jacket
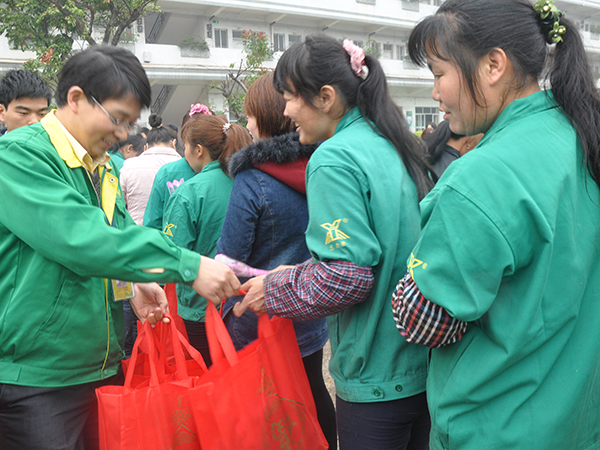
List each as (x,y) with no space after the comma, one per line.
(59,325)
(168,178)
(510,245)
(363,208)
(193,219)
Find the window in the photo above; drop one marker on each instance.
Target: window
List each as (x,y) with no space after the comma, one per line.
(358,43)
(399,51)
(293,38)
(424,115)
(278,42)
(236,38)
(388,51)
(221,39)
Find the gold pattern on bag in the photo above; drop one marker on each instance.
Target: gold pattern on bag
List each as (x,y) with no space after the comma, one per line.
(183,435)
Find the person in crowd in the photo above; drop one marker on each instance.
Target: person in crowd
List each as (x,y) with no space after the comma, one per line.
(504,280)
(65,235)
(431,126)
(178,145)
(170,176)
(143,132)
(444,146)
(129,148)
(194,213)
(137,175)
(363,186)
(24,99)
(265,223)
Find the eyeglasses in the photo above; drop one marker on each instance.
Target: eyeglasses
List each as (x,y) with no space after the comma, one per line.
(118,124)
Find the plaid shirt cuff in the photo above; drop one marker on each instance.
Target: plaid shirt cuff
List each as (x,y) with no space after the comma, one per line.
(315,290)
(421,321)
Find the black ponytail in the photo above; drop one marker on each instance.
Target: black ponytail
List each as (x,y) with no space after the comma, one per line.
(575,91)
(374,101)
(320,60)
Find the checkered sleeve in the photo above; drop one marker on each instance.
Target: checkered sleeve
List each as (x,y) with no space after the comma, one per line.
(421,321)
(315,290)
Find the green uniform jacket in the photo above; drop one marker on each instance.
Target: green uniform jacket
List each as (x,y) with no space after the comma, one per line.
(59,325)
(363,208)
(117,159)
(510,245)
(168,178)
(193,219)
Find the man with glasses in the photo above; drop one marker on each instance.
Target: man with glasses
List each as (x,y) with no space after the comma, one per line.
(68,252)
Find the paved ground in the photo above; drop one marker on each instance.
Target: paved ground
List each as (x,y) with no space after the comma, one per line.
(326,376)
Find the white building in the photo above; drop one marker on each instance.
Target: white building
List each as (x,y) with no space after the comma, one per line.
(178,81)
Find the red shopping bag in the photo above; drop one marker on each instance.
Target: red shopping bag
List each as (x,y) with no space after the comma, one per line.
(261,398)
(171,291)
(158,412)
(161,334)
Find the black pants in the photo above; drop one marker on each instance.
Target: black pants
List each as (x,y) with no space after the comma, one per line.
(313,364)
(34,418)
(197,336)
(395,425)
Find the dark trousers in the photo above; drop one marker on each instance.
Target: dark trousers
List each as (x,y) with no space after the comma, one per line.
(395,425)
(313,364)
(196,332)
(34,418)
(131,321)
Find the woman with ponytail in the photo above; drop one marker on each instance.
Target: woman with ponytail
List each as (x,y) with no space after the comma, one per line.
(195,212)
(363,186)
(504,281)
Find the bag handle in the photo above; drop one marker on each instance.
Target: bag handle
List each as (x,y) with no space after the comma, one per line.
(146,337)
(219,342)
(265,325)
(179,343)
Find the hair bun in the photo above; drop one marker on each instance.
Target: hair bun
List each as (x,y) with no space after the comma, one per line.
(155,121)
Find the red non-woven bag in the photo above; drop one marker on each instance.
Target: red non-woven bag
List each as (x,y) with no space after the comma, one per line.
(261,398)
(156,411)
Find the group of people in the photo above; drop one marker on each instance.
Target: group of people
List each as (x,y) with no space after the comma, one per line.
(459,294)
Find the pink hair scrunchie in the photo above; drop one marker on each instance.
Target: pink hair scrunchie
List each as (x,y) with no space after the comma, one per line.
(199,108)
(357,57)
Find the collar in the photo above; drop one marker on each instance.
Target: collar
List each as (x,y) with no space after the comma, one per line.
(160,151)
(69,149)
(349,118)
(532,104)
(75,156)
(211,166)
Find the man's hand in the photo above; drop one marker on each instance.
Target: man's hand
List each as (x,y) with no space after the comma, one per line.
(215,281)
(150,303)
(254,299)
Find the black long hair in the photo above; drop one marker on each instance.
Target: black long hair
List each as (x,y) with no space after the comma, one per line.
(437,140)
(321,60)
(463,31)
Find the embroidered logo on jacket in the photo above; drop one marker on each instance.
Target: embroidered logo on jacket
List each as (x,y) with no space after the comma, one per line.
(414,263)
(168,228)
(333,232)
(172,185)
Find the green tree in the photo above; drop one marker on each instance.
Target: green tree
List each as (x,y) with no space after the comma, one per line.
(51,27)
(256,49)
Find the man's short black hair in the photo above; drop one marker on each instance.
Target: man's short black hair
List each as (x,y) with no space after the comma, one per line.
(104,72)
(23,84)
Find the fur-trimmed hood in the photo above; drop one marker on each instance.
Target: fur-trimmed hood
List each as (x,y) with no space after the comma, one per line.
(278,150)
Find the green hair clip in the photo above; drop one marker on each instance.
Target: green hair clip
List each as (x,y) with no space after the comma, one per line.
(550,17)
